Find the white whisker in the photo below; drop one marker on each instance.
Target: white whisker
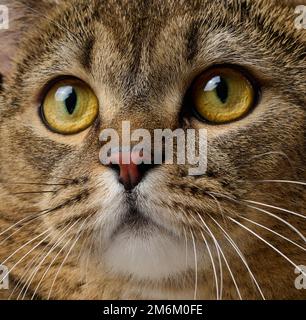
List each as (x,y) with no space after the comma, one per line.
(218,253)
(28,219)
(23,257)
(277,208)
(240,254)
(24,245)
(87,260)
(66,257)
(186,247)
(274,232)
(282,220)
(34,272)
(275,181)
(213,266)
(266,212)
(221,251)
(196,266)
(265,241)
(230,271)
(28,267)
(53,260)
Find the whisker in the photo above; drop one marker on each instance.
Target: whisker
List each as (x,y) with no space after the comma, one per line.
(34,184)
(24,256)
(282,220)
(196,266)
(272,152)
(82,248)
(30,218)
(221,251)
(34,272)
(16,231)
(219,207)
(89,252)
(36,216)
(277,208)
(87,259)
(186,247)
(266,212)
(280,153)
(213,266)
(218,253)
(274,181)
(28,267)
(274,232)
(240,254)
(66,257)
(85,239)
(266,242)
(230,271)
(33,192)
(51,264)
(67,179)
(20,248)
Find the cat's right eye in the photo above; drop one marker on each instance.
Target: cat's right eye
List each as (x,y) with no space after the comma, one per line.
(70,106)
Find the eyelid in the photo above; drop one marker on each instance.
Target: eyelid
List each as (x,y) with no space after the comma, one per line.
(45,89)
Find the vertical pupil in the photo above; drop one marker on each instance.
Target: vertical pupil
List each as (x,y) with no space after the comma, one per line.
(71,101)
(222,90)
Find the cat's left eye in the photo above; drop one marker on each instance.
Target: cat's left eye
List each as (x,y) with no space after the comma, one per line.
(223,94)
(70,106)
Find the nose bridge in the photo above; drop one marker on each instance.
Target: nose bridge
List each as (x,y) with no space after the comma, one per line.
(127,122)
(143,104)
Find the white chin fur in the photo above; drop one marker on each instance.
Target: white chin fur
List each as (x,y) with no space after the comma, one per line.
(153,257)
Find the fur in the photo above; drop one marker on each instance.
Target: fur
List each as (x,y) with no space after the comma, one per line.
(140,58)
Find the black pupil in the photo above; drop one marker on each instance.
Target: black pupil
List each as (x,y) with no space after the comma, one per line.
(71,101)
(222,90)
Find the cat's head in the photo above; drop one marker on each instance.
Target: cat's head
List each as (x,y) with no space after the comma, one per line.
(148,63)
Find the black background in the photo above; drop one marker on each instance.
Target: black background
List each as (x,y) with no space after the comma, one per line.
(94,309)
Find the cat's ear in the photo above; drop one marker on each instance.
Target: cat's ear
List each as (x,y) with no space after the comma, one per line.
(16,18)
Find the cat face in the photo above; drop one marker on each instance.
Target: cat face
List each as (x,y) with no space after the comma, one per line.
(172,232)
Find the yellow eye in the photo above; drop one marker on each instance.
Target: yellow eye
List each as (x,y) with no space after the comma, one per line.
(70,106)
(222,94)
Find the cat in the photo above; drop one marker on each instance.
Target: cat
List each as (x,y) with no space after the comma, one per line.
(73,228)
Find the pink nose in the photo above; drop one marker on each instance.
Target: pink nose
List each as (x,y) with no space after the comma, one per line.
(130,174)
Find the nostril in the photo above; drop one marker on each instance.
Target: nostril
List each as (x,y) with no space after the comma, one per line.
(115,167)
(144,168)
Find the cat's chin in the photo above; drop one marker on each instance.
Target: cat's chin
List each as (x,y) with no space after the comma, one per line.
(133,240)
(147,253)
